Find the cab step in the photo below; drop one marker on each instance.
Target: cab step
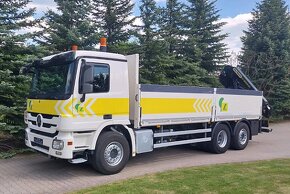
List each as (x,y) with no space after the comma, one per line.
(266,129)
(77,161)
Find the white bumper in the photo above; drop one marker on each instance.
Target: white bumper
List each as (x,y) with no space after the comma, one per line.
(45,144)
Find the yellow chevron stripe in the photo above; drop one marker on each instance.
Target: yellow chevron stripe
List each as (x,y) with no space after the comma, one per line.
(59,107)
(68,107)
(202,107)
(198,105)
(209,105)
(205,105)
(86,111)
(62,112)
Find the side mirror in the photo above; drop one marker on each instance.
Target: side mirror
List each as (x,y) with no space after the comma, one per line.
(87,78)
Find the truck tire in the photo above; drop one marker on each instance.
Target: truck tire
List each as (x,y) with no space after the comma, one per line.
(221,139)
(241,136)
(111,153)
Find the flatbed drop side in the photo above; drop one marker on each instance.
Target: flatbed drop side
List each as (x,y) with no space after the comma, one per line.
(98,111)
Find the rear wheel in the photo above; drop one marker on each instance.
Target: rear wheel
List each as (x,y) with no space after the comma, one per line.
(111,153)
(241,136)
(221,139)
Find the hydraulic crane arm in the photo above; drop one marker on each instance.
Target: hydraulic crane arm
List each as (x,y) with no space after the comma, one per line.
(234,78)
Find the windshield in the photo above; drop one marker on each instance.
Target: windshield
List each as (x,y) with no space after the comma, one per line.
(52,81)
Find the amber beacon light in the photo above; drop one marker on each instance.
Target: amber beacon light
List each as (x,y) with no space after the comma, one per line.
(103,44)
(74,47)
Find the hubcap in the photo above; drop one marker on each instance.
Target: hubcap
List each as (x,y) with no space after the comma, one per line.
(243,136)
(222,139)
(114,153)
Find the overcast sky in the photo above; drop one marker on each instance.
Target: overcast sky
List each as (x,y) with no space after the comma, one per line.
(235,12)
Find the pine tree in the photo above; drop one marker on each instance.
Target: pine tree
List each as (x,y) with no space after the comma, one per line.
(170,25)
(266,53)
(179,71)
(71,25)
(152,49)
(13,55)
(114,18)
(149,16)
(161,58)
(203,31)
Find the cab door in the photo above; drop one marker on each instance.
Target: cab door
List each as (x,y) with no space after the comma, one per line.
(106,96)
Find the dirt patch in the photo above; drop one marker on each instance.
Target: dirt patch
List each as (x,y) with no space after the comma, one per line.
(10,143)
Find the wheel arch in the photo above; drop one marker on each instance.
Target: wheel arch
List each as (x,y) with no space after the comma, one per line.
(123,129)
(222,122)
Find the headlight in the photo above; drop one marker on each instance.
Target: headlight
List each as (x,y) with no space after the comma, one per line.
(57,144)
(25,117)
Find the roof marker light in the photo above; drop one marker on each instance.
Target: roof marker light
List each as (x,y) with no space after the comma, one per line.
(74,47)
(103,44)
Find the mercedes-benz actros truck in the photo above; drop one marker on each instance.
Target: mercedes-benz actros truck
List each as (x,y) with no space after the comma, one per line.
(89,106)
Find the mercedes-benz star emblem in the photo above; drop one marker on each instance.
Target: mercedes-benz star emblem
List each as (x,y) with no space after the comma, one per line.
(39,120)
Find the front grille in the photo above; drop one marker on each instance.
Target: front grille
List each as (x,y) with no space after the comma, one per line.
(39,145)
(44,133)
(32,122)
(48,121)
(45,116)
(47,125)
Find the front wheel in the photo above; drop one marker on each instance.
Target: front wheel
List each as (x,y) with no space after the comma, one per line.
(111,153)
(221,139)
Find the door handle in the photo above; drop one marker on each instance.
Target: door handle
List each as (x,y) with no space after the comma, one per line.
(109,116)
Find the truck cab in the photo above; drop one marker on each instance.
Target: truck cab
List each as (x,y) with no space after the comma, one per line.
(72,94)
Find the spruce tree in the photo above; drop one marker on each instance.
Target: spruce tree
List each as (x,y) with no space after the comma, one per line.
(179,71)
(266,53)
(203,31)
(13,55)
(170,23)
(161,59)
(71,25)
(113,18)
(152,49)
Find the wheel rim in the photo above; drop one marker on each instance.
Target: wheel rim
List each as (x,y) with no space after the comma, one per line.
(114,153)
(222,139)
(243,136)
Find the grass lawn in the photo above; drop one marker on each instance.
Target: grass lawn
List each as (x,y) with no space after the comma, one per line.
(253,177)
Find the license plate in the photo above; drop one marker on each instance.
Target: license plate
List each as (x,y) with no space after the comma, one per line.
(38,140)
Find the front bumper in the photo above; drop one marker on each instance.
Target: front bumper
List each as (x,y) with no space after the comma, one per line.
(44,143)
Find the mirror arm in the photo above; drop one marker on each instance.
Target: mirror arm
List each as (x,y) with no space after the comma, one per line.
(83,98)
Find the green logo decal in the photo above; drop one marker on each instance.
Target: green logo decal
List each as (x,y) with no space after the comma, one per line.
(224,106)
(79,108)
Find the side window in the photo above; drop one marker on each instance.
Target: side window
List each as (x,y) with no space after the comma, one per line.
(101,78)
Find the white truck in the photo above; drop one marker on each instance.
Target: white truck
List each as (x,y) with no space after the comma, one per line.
(89,106)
